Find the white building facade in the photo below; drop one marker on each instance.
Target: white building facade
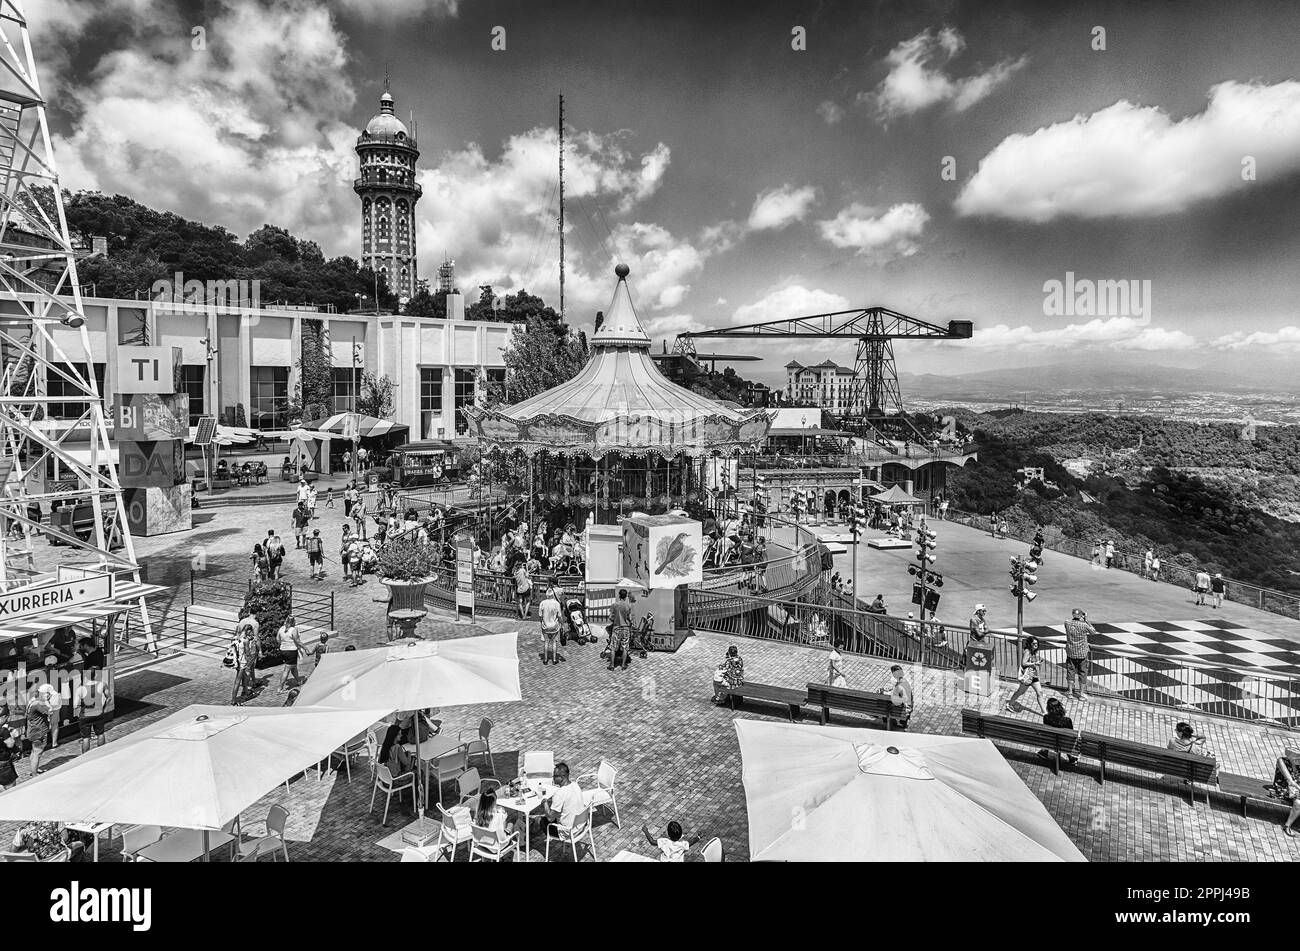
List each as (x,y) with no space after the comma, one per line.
(827,385)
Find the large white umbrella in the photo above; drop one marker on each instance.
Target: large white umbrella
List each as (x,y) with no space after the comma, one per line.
(196,769)
(299,433)
(821,793)
(413,674)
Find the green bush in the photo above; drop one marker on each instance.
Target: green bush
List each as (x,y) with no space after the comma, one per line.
(271,603)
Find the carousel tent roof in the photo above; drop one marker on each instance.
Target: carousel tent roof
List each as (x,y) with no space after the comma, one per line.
(621,402)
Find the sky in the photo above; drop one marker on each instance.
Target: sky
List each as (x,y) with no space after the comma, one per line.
(748,162)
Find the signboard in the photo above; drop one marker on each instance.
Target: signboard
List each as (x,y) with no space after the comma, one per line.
(150,370)
(151,465)
(979,670)
(38,599)
(464,577)
(146,417)
(662,551)
(207,428)
(351,426)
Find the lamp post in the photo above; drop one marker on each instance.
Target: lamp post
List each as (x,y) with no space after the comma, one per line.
(926,577)
(1023,577)
(857,522)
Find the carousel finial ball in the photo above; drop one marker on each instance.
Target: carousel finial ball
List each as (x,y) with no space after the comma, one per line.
(622,271)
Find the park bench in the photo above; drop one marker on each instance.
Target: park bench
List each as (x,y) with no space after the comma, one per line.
(864,702)
(1192,768)
(1056,740)
(766,693)
(1249,788)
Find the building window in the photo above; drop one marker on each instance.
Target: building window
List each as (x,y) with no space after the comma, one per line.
(194,389)
(268,396)
(464,396)
(496,382)
(430,401)
(345,389)
(57,387)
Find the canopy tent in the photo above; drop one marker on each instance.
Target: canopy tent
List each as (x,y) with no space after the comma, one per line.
(196,769)
(620,402)
(895,496)
(367,426)
(871,795)
(299,434)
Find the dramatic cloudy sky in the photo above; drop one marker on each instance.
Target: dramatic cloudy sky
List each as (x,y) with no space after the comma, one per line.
(740,179)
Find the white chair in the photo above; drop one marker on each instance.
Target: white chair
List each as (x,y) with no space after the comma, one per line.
(488,846)
(481,746)
(272,842)
(603,793)
(353,747)
(372,751)
(18,857)
(539,764)
(712,850)
(448,767)
(136,838)
(414,855)
(470,785)
(385,782)
(456,830)
(572,835)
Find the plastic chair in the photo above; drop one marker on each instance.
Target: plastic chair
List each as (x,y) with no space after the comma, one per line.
(489,846)
(456,830)
(539,764)
(358,744)
(712,850)
(481,746)
(372,751)
(603,793)
(414,855)
(384,781)
(572,835)
(469,785)
(137,838)
(448,767)
(273,841)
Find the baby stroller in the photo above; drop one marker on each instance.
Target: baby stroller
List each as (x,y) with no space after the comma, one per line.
(637,643)
(575,623)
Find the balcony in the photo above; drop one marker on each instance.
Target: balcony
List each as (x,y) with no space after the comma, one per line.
(360,183)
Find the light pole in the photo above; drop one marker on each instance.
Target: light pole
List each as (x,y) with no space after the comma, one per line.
(1023,577)
(857,522)
(926,577)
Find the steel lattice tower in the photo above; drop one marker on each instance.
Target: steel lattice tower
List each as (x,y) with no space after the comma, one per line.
(43,338)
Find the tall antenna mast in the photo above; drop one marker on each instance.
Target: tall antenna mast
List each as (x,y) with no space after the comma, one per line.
(561,207)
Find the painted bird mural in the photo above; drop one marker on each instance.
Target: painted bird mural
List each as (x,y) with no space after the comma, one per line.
(676,549)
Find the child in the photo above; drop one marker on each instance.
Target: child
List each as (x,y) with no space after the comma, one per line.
(311,500)
(329,498)
(672,845)
(320,650)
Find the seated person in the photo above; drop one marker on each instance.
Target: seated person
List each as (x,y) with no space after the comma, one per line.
(1286,785)
(44,839)
(62,644)
(672,845)
(878,606)
(491,816)
(567,803)
(1055,716)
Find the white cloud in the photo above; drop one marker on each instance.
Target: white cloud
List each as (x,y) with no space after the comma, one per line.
(669,326)
(1284,339)
(778,207)
(916,80)
(830,111)
(1112,333)
(1131,161)
(792,300)
(878,237)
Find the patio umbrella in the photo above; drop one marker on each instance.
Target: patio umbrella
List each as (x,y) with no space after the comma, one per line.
(414,674)
(895,496)
(196,769)
(366,425)
(817,793)
(299,432)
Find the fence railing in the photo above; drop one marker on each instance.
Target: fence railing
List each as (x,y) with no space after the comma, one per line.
(822,619)
(1240,592)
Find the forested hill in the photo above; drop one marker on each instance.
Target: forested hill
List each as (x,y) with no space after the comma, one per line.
(145,246)
(1201,494)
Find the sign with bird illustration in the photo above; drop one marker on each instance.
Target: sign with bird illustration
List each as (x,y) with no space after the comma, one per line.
(662,551)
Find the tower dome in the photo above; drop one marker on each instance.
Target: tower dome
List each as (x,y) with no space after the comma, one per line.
(385,122)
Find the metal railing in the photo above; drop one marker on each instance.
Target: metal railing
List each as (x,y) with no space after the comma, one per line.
(1240,592)
(823,619)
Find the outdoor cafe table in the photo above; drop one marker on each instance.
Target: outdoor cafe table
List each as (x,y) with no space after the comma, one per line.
(93,829)
(626,856)
(183,845)
(538,794)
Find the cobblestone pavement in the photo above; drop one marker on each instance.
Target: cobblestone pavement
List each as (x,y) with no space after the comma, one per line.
(676,753)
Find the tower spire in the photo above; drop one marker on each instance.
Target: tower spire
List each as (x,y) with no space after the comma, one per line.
(561,207)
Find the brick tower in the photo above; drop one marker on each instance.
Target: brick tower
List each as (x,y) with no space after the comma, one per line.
(387,152)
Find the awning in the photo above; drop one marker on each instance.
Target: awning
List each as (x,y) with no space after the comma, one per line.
(125,594)
(83,456)
(895,496)
(427,445)
(810,431)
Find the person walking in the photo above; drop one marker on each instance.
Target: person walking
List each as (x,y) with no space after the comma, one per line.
(274,554)
(345,545)
(311,499)
(1218,587)
(1201,586)
(1155,568)
(1028,676)
(523,589)
(301,519)
(1078,646)
(359,516)
(290,649)
(261,565)
(835,675)
(900,699)
(548,614)
(315,546)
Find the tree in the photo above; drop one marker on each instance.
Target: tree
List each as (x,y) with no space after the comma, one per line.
(376,395)
(424,304)
(315,395)
(538,358)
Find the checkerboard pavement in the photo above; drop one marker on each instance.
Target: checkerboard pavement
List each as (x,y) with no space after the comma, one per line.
(1208,689)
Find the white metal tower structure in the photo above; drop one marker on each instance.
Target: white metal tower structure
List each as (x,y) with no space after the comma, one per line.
(43,339)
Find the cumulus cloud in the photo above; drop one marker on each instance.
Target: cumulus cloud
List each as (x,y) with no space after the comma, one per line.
(1131,161)
(791,300)
(1111,333)
(879,237)
(1284,339)
(778,207)
(916,79)
(830,111)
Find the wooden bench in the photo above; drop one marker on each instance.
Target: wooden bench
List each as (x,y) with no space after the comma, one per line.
(788,696)
(1249,788)
(1192,768)
(864,702)
(1054,739)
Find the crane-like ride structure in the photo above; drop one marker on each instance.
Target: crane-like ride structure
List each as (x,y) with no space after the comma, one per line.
(875,401)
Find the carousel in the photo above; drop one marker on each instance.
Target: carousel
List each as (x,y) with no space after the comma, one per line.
(620,437)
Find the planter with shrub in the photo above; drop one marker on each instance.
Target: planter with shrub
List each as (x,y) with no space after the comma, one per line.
(271,602)
(406,566)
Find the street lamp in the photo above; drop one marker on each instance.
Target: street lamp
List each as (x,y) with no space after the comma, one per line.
(1023,577)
